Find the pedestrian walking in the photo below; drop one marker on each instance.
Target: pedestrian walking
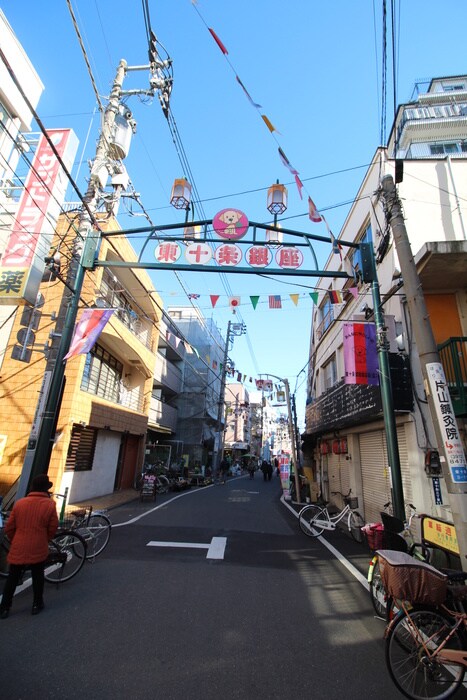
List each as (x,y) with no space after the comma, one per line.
(32,523)
(264,469)
(224,466)
(251,468)
(269,471)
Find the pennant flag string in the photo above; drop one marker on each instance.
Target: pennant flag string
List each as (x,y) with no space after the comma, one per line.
(313,213)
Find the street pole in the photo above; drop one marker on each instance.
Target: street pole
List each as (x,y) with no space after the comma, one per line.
(452,456)
(294,442)
(39,450)
(217,456)
(382,347)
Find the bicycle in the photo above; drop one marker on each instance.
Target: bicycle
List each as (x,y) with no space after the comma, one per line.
(67,554)
(94,526)
(397,536)
(314,519)
(426,643)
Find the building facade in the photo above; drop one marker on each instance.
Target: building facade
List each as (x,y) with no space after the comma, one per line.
(345,439)
(199,416)
(102,421)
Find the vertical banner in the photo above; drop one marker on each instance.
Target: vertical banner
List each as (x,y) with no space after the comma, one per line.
(22,264)
(360,354)
(447,422)
(284,468)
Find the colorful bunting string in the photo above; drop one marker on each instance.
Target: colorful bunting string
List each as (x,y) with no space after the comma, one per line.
(313,213)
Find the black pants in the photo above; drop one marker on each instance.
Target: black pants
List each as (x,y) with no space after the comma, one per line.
(14,577)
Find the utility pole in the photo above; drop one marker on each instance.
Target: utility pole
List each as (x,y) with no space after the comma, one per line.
(452,456)
(232,330)
(39,450)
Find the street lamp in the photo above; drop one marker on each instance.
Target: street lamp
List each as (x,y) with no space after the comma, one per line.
(180,197)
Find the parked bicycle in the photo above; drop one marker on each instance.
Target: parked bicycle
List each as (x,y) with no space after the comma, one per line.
(67,554)
(314,519)
(94,526)
(426,643)
(395,535)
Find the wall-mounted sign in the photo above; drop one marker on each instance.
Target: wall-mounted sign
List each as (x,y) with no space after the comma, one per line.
(22,264)
(231,224)
(447,422)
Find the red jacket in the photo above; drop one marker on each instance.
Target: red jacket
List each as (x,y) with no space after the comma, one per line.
(32,523)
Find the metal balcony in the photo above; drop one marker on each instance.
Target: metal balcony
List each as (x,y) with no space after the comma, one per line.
(453,356)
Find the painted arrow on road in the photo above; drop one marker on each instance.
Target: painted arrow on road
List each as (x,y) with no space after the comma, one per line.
(216,548)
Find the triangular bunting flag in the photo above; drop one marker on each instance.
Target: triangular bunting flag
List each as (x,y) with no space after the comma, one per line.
(254,301)
(294,298)
(214,299)
(268,123)
(255,104)
(314,296)
(354,292)
(218,41)
(299,184)
(287,162)
(313,213)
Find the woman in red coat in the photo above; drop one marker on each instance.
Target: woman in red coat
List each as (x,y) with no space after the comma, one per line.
(32,523)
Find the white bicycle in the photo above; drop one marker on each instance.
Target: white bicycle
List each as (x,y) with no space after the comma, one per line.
(315,519)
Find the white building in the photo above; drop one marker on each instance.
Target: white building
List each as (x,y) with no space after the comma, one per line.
(345,438)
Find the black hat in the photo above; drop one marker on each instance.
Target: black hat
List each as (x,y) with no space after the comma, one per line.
(41,483)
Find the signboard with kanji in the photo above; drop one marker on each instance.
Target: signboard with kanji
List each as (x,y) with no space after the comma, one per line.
(447,423)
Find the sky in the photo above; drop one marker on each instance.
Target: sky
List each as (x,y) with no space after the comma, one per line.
(314,68)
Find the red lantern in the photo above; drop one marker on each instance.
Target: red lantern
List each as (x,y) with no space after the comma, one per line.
(343,446)
(324,448)
(336,447)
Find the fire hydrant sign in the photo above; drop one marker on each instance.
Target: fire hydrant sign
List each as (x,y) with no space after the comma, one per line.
(447,422)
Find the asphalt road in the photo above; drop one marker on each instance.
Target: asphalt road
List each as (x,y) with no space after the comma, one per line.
(232,601)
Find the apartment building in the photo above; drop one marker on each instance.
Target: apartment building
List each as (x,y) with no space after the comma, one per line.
(345,440)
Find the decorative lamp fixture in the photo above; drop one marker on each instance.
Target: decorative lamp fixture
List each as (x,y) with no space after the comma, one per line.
(277,199)
(180,197)
(192,232)
(274,238)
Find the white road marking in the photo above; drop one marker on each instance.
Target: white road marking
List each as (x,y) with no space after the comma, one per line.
(340,557)
(216,548)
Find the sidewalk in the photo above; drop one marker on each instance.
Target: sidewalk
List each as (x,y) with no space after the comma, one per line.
(109,501)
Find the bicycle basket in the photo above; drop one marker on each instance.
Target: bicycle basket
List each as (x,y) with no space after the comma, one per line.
(374,534)
(352,501)
(406,578)
(72,517)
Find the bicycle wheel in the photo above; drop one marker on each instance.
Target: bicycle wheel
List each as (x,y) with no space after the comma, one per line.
(96,533)
(411,659)
(67,554)
(356,523)
(377,592)
(305,518)
(163,484)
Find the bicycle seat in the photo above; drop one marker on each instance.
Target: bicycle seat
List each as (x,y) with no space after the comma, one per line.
(391,523)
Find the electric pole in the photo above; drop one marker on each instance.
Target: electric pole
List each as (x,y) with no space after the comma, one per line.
(452,456)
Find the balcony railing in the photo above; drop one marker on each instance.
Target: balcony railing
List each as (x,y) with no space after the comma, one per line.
(162,415)
(453,356)
(167,375)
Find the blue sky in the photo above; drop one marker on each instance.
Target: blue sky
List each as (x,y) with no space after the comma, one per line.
(315,68)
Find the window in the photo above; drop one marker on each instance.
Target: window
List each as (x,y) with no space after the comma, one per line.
(447,148)
(81,449)
(330,373)
(102,374)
